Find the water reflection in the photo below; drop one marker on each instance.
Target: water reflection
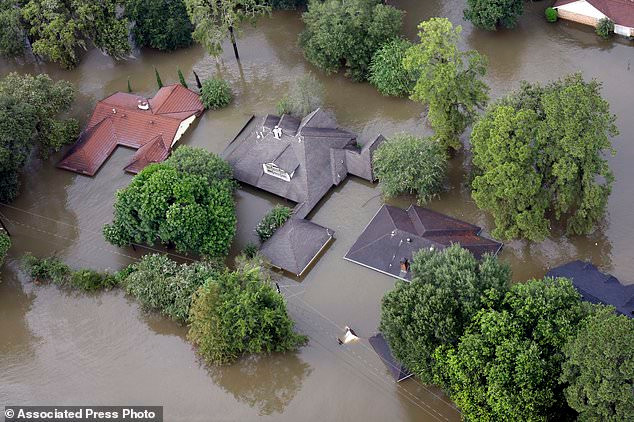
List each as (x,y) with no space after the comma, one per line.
(266,383)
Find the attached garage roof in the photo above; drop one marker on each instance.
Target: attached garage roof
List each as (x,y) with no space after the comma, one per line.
(620,11)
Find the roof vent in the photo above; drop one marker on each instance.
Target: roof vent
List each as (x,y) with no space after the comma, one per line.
(143,105)
(409,240)
(393,233)
(114,111)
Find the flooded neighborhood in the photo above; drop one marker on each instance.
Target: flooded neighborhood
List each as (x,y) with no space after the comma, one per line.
(62,347)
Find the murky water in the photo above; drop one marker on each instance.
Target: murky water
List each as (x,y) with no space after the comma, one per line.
(59,347)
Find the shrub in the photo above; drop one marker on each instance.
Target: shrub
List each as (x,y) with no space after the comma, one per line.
(90,280)
(160,24)
(347,33)
(50,269)
(5,244)
(599,367)
(186,201)
(305,95)
(605,28)
(288,4)
(448,288)
(551,14)
(238,313)
(160,284)
(489,14)
(387,73)
(272,221)
(215,93)
(405,164)
(250,250)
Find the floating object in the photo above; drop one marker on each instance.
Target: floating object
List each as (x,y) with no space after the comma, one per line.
(348,337)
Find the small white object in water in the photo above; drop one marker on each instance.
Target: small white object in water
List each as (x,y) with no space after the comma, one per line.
(349,336)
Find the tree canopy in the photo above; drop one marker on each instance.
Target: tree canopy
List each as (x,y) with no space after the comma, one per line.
(237,313)
(405,164)
(12,37)
(540,153)
(490,14)
(347,33)
(160,24)
(177,208)
(5,244)
(305,95)
(214,20)
(448,288)
(450,79)
(508,363)
(59,28)
(387,73)
(599,368)
(29,110)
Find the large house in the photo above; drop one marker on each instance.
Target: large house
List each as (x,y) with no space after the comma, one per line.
(394,235)
(300,160)
(151,126)
(590,12)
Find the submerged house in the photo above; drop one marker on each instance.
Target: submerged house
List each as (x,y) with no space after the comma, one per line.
(151,126)
(300,160)
(382,348)
(390,240)
(597,287)
(590,12)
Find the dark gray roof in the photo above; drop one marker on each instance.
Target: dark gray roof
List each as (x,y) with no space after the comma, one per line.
(296,244)
(305,148)
(395,234)
(380,346)
(597,287)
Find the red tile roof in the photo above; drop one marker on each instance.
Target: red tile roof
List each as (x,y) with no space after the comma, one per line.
(620,11)
(119,120)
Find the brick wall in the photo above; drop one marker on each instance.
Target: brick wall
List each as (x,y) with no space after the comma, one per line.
(575,17)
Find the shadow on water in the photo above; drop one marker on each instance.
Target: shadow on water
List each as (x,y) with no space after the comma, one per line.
(266,383)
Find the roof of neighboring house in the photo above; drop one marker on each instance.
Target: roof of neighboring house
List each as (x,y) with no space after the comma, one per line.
(295,245)
(119,120)
(597,287)
(620,11)
(380,346)
(306,151)
(395,234)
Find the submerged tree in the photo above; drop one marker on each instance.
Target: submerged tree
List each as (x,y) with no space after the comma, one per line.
(305,95)
(387,73)
(490,14)
(539,154)
(160,24)
(213,20)
(450,80)
(29,110)
(12,36)
(448,288)
(58,28)
(347,33)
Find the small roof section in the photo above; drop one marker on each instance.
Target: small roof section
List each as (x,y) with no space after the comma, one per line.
(122,119)
(380,346)
(394,235)
(597,287)
(295,245)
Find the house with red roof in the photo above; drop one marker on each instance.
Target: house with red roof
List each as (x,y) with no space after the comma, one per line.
(590,12)
(151,126)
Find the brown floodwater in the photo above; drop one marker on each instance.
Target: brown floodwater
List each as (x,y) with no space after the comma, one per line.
(60,347)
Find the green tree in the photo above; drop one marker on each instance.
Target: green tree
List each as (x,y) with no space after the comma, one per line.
(199,161)
(238,313)
(273,220)
(347,33)
(506,367)
(177,208)
(5,244)
(540,153)
(213,20)
(305,95)
(29,110)
(448,288)
(599,368)
(181,79)
(161,284)
(59,28)
(160,24)
(405,164)
(450,80)
(12,34)
(215,93)
(387,73)
(490,14)
(159,81)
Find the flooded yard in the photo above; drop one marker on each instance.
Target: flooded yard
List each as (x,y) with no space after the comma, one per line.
(65,348)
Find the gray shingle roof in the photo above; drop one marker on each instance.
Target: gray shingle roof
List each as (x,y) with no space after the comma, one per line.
(597,287)
(395,234)
(296,244)
(304,148)
(380,346)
